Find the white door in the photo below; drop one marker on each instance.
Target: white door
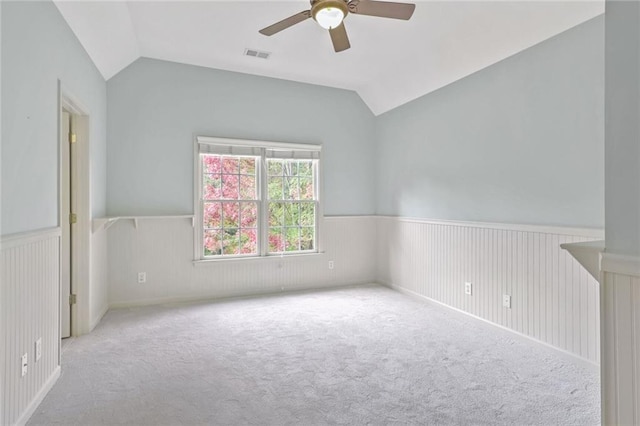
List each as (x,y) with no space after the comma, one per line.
(65,211)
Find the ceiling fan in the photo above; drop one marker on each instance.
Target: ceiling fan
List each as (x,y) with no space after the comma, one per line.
(329,14)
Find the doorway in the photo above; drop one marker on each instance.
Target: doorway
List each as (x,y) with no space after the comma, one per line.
(67,217)
(74,193)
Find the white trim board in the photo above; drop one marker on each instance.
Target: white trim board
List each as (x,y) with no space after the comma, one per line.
(22,238)
(620,264)
(213,299)
(257,143)
(35,402)
(595,233)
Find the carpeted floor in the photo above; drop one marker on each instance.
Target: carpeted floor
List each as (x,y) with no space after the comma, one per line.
(362,355)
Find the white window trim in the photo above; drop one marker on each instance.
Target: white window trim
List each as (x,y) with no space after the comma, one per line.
(262,216)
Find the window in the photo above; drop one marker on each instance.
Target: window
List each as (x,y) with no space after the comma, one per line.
(256,198)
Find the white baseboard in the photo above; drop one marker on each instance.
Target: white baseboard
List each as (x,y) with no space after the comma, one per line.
(33,406)
(96,320)
(213,298)
(562,353)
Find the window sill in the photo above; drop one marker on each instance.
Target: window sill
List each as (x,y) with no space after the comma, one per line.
(272,258)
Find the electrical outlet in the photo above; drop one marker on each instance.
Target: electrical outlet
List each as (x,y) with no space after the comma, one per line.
(506,301)
(331,264)
(38,349)
(25,362)
(468,288)
(142,277)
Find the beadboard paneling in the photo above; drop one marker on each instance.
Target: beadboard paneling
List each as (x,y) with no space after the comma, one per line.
(620,295)
(163,248)
(99,291)
(553,299)
(30,276)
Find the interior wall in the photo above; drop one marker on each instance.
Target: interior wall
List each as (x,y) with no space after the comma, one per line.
(155,108)
(553,299)
(622,154)
(620,264)
(521,141)
(2,290)
(29,272)
(38,49)
(163,249)
(38,52)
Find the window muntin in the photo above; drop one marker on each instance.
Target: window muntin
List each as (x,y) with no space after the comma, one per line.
(255,198)
(291,205)
(230,205)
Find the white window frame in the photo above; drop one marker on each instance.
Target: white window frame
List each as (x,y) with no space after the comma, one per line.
(243,145)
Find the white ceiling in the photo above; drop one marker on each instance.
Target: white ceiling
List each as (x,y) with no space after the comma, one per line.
(390,62)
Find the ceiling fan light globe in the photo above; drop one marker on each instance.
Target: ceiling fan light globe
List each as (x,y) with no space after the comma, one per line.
(329,17)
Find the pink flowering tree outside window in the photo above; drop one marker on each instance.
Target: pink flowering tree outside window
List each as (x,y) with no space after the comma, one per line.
(230,205)
(232,202)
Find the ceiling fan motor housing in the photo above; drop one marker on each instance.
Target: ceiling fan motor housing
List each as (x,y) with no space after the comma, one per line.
(318,5)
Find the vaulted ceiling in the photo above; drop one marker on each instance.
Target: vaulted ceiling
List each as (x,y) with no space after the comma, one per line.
(390,62)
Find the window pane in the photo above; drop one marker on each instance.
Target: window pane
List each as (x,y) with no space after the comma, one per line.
(212,215)
(276,241)
(307,214)
(212,184)
(306,188)
(291,214)
(231,241)
(230,165)
(249,215)
(230,215)
(230,187)
(290,168)
(274,187)
(247,187)
(212,242)
(305,168)
(231,208)
(249,241)
(247,166)
(276,214)
(292,239)
(274,167)
(291,188)
(211,164)
(306,238)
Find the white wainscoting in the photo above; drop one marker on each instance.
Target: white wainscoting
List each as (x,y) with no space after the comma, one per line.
(620,293)
(163,248)
(99,288)
(30,276)
(554,300)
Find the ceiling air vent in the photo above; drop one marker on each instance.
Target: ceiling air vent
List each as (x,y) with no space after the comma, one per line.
(257,53)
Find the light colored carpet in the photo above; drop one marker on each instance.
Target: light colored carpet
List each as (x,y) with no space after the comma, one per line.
(363,355)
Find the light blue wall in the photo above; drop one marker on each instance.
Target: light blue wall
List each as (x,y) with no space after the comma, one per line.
(622,156)
(155,108)
(38,48)
(521,141)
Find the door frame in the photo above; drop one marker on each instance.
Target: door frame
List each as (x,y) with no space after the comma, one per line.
(81,235)
(66,192)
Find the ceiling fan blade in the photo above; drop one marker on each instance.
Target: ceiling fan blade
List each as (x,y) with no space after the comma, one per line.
(339,38)
(286,23)
(382,9)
